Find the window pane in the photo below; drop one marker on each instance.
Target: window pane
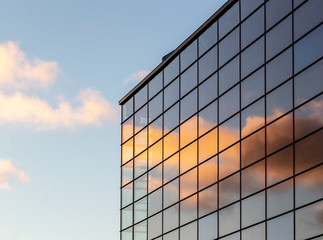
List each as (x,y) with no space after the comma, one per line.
(140,210)
(127,173)
(127,129)
(208,64)
(279,70)
(155,178)
(188,79)
(208,227)
(141,119)
(208,172)
(127,151)
(188,105)
(253,209)
(208,200)
(155,154)
(252,87)
(208,38)
(253,117)
(171,71)
(281,228)
(208,91)
(140,187)
(189,55)
(229,104)
(312,12)
(208,118)
(171,118)
(141,164)
(252,28)
(188,131)
(172,235)
(309,49)
(141,97)
(280,198)
(252,57)
(171,218)
(229,190)
(171,193)
(140,231)
(229,46)
(229,75)
(155,130)
(127,234)
(126,217)
(141,141)
(188,157)
(208,145)
(255,233)
(253,179)
(155,202)
(253,148)
(127,194)
(247,6)
(155,224)
(189,232)
(276,10)
(229,219)
(155,85)
(171,168)
(229,20)
(171,143)
(235,236)
(171,94)
(229,161)
(229,132)
(188,183)
(155,107)
(127,109)
(188,209)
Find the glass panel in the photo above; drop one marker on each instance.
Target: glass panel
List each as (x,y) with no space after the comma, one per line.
(229,20)
(141,97)
(188,209)
(127,109)
(155,107)
(188,105)
(252,87)
(171,71)
(229,47)
(189,232)
(235,236)
(127,129)
(208,145)
(141,119)
(280,133)
(140,210)
(309,83)
(229,219)
(155,224)
(171,193)
(155,178)
(257,232)
(281,228)
(276,10)
(229,132)
(253,118)
(247,6)
(188,131)
(155,85)
(141,164)
(229,190)
(279,37)
(188,79)
(253,178)
(189,55)
(309,152)
(127,194)
(127,151)
(171,236)
(280,198)
(279,101)
(208,91)
(208,118)
(229,161)
(141,141)
(155,130)
(155,202)
(252,57)
(297,3)
(312,12)
(140,187)
(127,234)
(309,221)
(127,173)
(126,217)
(208,38)
(253,209)
(171,93)
(252,28)
(253,148)
(309,117)
(208,172)
(279,70)
(208,64)
(208,227)
(229,75)
(188,183)
(308,186)
(155,154)
(171,143)
(171,118)
(140,231)
(309,49)
(171,218)
(280,166)
(229,104)
(208,200)
(188,157)
(171,168)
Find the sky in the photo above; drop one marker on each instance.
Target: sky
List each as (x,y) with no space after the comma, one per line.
(64,65)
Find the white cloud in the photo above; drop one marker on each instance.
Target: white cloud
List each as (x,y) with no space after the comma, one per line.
(136,76)
(22,110)
(20,73)
(8,171)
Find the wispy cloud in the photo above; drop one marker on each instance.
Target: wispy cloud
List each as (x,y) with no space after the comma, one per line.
(136,76)
(20,73)
(8,172)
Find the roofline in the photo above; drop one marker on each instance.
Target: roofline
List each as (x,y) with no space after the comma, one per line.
(190,39)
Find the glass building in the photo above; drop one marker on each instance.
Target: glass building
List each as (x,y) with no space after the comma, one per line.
(224,139)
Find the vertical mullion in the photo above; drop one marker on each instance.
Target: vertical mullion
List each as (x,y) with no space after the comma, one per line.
(197,142)
(265,102)
(179,152)
(240,115)
(217,115)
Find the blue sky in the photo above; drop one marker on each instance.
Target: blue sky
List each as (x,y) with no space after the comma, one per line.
(64,67)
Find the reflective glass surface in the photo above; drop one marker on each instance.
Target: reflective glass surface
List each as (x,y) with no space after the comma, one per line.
(229,46)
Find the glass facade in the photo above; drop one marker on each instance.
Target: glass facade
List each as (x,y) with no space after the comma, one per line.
(226,140)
